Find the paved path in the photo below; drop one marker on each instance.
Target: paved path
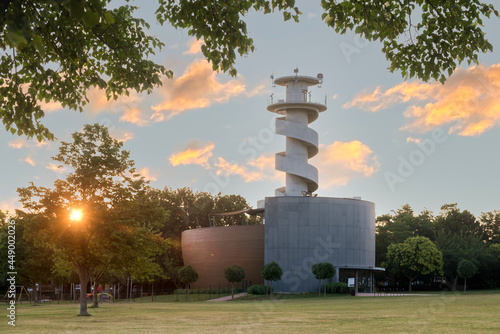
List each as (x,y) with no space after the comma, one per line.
(392,294)
(221,299)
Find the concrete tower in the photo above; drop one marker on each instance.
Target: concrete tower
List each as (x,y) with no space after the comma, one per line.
(300,230)
(301,142)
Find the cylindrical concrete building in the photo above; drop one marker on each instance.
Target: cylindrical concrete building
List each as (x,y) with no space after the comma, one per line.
(302,231)
(211,249)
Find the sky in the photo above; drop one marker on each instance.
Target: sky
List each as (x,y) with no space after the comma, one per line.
(383,139)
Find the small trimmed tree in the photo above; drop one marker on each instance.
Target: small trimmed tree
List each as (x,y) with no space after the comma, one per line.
(234,274)
(466,269)
(187,275)
(271,272)
(323,271)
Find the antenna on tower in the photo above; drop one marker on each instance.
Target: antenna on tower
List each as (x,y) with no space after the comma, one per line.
(296,71)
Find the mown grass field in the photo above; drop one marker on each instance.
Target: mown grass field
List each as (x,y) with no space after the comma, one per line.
(476,312)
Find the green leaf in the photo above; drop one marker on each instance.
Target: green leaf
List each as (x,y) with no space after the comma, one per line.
(90,18)
(76,9)
(38,43)
(109,17)
(16,38)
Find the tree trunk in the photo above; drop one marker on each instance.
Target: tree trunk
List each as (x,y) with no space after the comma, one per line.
(141,292)
(409,287)
(324,290)
(152,292)
(319,288)
(186,290)
(95,302)
(35,295)
(465,285)
(84,276)
(232,290)
(131,289)
(455,281)
(271,291)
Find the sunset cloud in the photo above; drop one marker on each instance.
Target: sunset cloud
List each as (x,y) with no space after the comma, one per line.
(198,87)
(260,89)
(55,168)
(134,116)
(20,143)
(121,135)
(227,168)
(147,174)
(17,144)
(29,161)
(468,103)
(50,106)
(194,46)
(98,102)
(341,162)
(193,155)
(259,169)
(10,205)
(413,140)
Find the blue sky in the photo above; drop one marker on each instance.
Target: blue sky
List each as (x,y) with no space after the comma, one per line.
(389,141)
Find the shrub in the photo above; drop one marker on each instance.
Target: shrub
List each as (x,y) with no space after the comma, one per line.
(257,290)
(337,287)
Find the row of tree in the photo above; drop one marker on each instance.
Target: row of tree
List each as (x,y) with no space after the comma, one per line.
(270,272)
(129,229)
(126,228)
(233,274)
(449,239)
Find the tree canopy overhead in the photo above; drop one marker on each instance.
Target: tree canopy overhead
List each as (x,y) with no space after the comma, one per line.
(53,51)
(426,39)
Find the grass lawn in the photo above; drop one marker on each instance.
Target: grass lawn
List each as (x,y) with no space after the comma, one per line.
(476,312)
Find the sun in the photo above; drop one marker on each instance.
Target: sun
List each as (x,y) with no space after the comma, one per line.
(75,215)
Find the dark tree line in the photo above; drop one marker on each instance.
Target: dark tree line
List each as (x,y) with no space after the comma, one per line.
(126,229)
(458,235)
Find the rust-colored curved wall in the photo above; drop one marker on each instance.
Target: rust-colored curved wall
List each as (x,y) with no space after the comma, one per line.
(209,250)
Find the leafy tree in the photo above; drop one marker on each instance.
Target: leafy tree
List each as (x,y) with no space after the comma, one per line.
(271,272)
(118,228)
(323,271)
(415,256)
(234,274)
(456,247)
(421,38)
(466,269)
(496,250)
(91,45)
(34,260)
(189,209)
(187,275)
(490,223)
(454,221)
(397,228)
